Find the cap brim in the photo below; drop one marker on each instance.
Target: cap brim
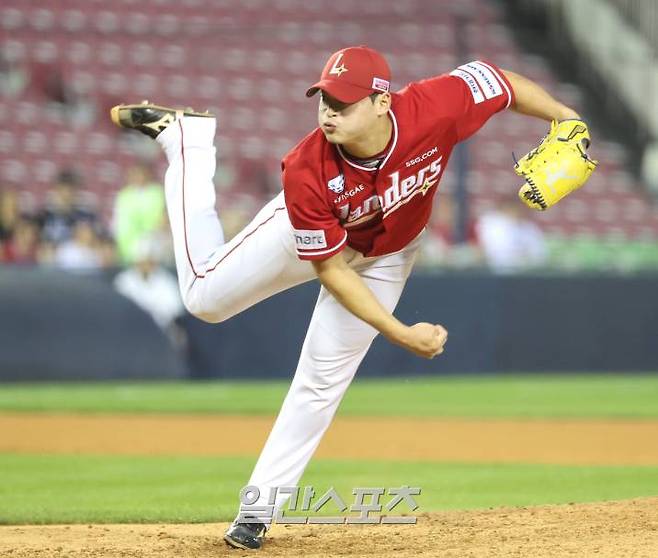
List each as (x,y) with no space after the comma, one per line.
(343,92)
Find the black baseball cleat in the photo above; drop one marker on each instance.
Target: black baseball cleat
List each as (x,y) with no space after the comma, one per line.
(150,119)
(247,536)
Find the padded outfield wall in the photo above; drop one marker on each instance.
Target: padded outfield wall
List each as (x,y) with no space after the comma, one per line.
(59,326)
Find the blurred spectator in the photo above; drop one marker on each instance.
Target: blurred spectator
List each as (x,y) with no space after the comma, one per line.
(82,252)
(64,210)
(510,241)
(440,248)
(69,97)
(22,245)
(9,213)
(19,233)
(107,251)
(649,167)
(139,211)
(13,77)
(153,289)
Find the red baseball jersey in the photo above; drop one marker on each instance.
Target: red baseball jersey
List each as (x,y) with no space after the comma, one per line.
(333,201)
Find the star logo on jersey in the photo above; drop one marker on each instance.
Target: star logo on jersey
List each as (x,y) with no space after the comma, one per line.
(337,70)
(427,185)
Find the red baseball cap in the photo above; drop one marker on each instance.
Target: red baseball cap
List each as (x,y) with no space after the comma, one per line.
(352,74)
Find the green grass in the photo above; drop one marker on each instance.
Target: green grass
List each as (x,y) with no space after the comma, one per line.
(551,396)
(105,489)
(86,488)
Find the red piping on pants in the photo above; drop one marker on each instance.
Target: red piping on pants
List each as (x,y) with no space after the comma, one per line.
(187,248)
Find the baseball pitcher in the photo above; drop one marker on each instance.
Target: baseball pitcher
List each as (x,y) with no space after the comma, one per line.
(357,194)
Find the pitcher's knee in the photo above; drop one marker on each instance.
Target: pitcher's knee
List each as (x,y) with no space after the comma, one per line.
(201,308)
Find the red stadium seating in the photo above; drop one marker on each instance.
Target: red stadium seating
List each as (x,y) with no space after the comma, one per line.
(250,62)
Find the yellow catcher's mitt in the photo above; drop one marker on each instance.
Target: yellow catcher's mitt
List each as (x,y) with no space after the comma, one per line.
(557,166)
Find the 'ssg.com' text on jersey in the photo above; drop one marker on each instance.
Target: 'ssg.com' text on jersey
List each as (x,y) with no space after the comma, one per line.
(422,157)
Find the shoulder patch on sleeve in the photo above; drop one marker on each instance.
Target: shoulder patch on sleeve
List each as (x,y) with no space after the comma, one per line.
(473,86)
(488,82)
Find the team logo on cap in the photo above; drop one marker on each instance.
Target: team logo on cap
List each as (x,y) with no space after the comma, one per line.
(337,184)
(337,70)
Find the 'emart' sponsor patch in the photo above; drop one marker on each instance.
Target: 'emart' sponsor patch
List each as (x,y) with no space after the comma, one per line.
(309,240)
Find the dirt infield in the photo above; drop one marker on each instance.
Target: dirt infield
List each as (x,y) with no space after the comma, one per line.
(603,530)
(609,530)
(581,442)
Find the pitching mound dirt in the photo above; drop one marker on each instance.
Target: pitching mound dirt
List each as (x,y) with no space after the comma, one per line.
(603,530)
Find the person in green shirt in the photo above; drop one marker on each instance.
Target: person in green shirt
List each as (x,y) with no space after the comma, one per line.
(139,212)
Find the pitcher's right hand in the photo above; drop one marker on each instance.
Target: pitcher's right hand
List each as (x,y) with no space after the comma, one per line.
(424,339)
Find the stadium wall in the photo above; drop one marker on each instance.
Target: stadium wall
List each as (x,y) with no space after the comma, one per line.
(57,326)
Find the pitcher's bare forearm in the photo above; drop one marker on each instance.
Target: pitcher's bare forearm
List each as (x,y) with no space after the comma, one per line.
(347,287)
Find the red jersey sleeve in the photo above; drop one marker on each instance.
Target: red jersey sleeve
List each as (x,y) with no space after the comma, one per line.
(317,231)
(469,95)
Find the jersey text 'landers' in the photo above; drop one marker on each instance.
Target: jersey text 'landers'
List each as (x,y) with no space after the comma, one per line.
(334,201)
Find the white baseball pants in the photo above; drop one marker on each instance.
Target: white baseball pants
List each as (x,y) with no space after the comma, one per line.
(219,279)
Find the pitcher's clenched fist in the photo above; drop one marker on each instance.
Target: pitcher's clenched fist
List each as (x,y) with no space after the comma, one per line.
(425,340)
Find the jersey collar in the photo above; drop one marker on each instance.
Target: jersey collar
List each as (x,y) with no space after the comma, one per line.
(388,155)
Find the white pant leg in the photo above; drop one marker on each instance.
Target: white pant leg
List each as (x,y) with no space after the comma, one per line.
(335,345)
(217,280)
